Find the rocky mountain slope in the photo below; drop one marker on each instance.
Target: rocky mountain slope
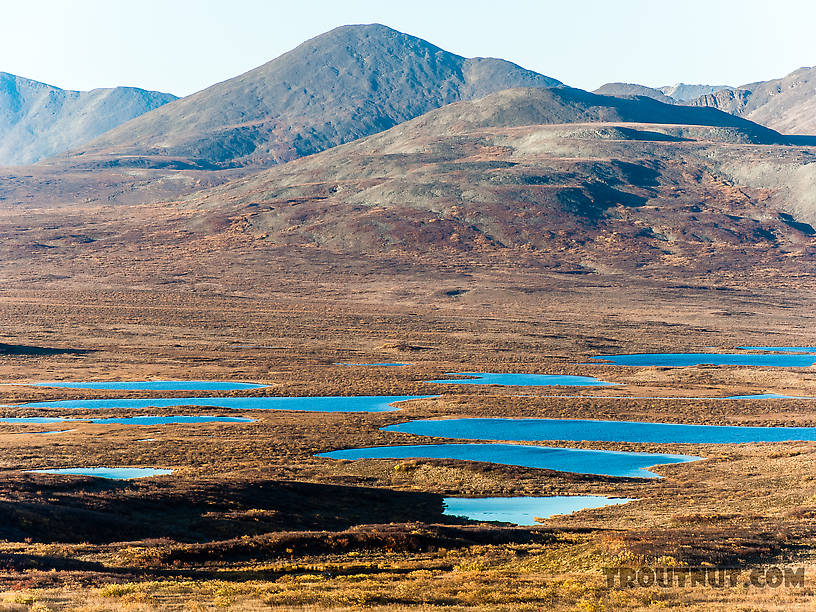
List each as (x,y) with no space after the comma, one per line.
(668,94)
(350,82)
(39,120)
(787,105)
(683,92)
(624,186)
(551,179)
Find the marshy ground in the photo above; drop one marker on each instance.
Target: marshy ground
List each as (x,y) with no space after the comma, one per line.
(251,518)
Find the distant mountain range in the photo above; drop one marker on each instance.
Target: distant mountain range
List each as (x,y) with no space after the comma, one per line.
(668,94)
(348,83)
(683,92)
(787,105)
(39,120)
(394,145)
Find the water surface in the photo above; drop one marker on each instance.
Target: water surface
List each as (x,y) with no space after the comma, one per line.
(678,397)
(110,473)
(357,403)
(42,433)
(524,510)
(578,430)
(785,349)
(382,364)
(522,380)
(156,385)
(693,359)
(576,460)
(136,420)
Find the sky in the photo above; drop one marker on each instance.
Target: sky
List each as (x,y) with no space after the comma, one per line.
(182,46)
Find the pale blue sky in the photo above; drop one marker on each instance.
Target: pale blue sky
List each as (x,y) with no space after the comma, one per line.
(182,46)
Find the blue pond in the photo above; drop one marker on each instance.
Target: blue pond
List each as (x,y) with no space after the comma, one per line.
(784,349)
(524,510)
(692,359)
(522,380)
(768,396)
(539,430)
(576,460)
(357,403)
(110,473)
(382,364)
(156,385)
(42,433)
(679,397)
(137,420)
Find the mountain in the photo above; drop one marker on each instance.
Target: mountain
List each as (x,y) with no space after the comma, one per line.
(787,105)
(683,92)
(39,120)
(624,90)
(562,176)
(347,83)
(565,105)
(553,179)
(668,94)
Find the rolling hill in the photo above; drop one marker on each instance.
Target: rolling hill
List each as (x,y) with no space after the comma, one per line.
(561,176)
(553,176)
(628,90)
(350,82)
(39,120)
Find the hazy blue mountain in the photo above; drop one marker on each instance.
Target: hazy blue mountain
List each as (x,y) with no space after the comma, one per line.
(683,92)
(39,120)
(668,94)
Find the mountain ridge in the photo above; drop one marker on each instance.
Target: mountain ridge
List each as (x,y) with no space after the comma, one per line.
(347,83)
(787,104)
(38,120)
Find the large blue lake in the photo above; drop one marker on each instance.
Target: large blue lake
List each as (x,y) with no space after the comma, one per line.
(136,420)
(522,380)
(576,460)
(156,385)
(524,510)
(357,403)
(577,430)
(691,359)
(110,473)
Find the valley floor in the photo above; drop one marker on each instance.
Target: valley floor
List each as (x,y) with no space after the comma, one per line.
(252,519)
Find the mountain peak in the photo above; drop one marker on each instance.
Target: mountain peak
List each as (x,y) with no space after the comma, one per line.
(350,82)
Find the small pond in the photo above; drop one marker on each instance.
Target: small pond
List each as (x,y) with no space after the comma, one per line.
(156,385)
(357,403)
(136,420)
(110,473)
(42,433)
(382,364)
(522,380)
(784,349)
(576,460)
(694,359)
(524,510)
(578,430)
